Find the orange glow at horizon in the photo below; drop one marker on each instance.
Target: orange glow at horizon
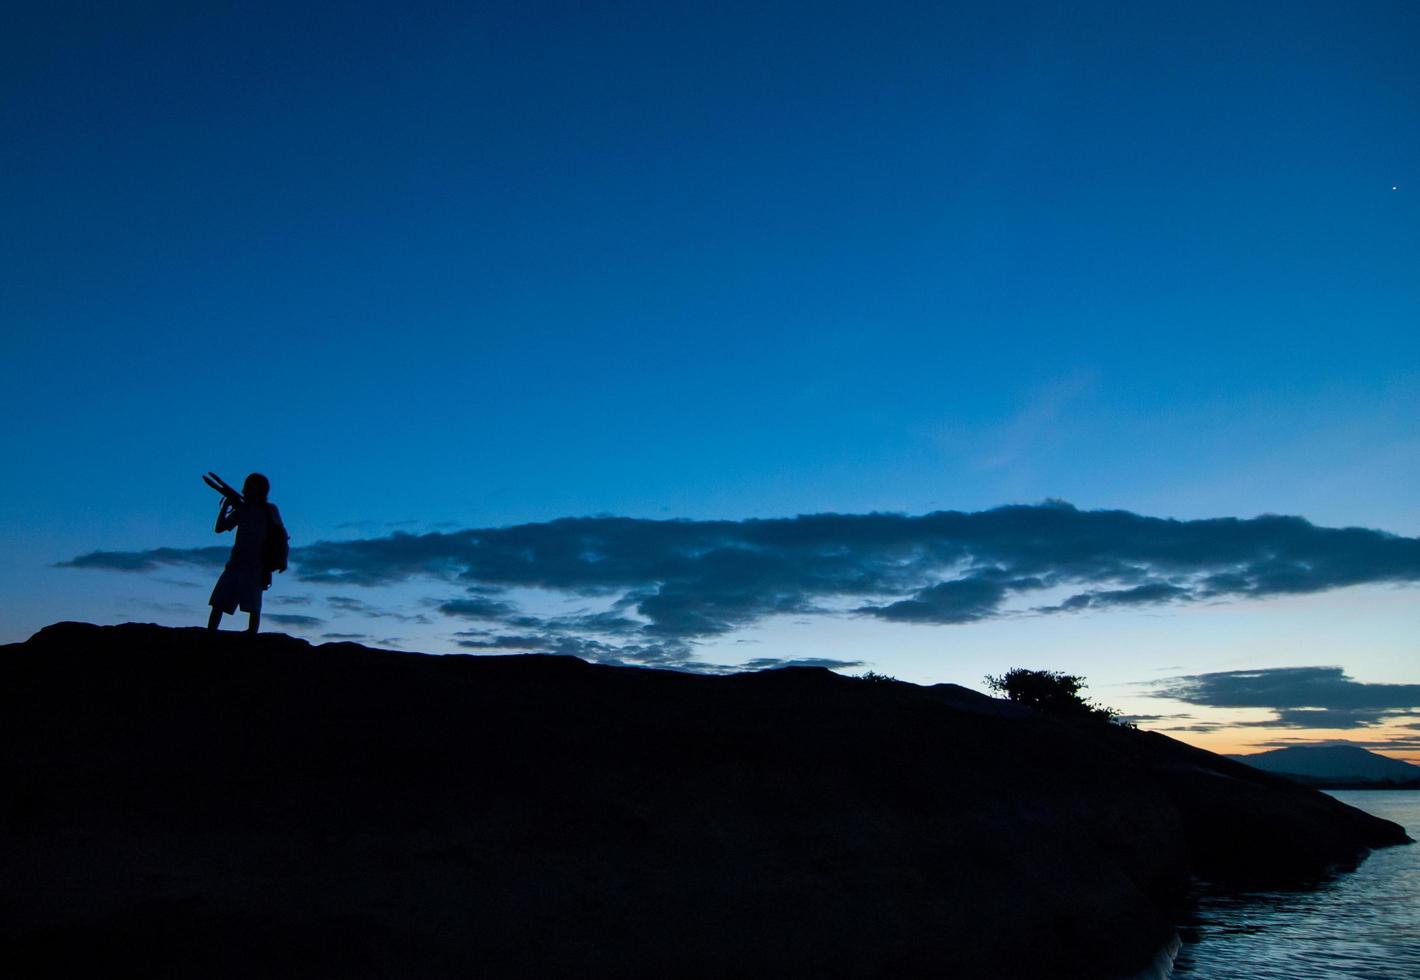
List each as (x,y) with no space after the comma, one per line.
(1241,740)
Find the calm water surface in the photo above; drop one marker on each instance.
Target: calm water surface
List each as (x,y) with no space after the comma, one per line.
(1362,924)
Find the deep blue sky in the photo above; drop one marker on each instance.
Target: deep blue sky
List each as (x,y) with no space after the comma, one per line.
(486,264)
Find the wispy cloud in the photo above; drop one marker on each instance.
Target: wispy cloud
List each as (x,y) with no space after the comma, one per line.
(1398,743)
(1016,438)
(292,619)
(668,584)
(359,607)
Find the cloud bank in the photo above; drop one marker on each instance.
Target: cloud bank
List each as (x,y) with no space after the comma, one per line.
(1299,697)
(666,584)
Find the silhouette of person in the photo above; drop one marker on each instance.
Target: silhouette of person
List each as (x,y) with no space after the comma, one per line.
(259,549)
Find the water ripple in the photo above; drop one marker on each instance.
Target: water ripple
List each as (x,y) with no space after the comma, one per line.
(1365,924)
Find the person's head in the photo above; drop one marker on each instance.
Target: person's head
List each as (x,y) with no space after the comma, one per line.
(256,488)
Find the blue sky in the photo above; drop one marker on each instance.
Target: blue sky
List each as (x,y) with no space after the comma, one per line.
(467,267)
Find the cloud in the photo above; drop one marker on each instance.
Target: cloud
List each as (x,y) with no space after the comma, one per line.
(344,636)
(672,583)
(1153,593)
(149,561)
(654,653)
(1136,719)
(1018,437)
(1299,697)
(184,608)
(963,600)
(1184,722)
(1399,742)
(1200,727)
(359,607)
(772,663)
(292,619)
(477,607)
(550,639)
(179,583)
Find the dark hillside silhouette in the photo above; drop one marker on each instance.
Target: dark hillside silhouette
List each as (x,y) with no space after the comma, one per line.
(1336,766)
(187,803)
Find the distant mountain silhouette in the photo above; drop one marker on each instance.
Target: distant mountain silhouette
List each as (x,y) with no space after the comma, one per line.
(1332,764)
(184,803)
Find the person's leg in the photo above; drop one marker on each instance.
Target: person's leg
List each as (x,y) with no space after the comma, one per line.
(214,619)
(254,622)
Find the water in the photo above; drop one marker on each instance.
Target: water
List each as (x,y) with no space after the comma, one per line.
(1365,924)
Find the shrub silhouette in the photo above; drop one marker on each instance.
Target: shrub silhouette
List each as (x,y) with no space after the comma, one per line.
(1051,692)
(874,677)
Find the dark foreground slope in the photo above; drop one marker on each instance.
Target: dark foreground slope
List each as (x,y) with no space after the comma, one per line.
(182,804)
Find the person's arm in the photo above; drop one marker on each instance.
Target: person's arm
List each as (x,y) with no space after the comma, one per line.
(226,517)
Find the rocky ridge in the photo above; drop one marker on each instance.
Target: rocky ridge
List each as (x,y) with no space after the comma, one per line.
(182,803)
